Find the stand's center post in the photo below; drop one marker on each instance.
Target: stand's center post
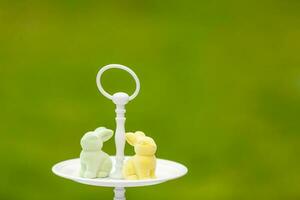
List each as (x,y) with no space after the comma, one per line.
(120,99)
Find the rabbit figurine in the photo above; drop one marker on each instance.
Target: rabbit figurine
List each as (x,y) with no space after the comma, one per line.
(94,163)
(142,164)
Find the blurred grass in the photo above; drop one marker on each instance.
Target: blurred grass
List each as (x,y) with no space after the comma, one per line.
(221,78)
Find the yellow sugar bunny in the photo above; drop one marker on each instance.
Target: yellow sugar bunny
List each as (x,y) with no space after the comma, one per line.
(142,164)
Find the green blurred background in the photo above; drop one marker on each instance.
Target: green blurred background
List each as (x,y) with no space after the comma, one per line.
(220,92)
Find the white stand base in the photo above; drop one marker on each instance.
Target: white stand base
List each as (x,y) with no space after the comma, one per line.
(119,193)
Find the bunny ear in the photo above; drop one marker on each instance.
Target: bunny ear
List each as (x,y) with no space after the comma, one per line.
(139,133)
(89,135)
(99,129)
(105,134)
(131,138)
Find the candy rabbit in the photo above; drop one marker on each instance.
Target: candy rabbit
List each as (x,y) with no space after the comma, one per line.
(142,165)
(94,162)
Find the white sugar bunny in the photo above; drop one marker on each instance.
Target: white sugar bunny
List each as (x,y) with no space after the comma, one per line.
(94,162)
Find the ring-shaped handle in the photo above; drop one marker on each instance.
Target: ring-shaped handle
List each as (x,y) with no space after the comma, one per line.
(117,66)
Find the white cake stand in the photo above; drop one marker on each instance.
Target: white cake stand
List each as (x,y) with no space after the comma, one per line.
(165,169)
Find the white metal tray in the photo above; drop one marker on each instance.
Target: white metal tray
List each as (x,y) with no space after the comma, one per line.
(165,170)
